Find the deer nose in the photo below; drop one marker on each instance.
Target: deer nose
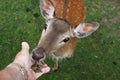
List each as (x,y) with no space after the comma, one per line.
(38,54)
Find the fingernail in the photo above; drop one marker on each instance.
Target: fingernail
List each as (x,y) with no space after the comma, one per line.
(25,45)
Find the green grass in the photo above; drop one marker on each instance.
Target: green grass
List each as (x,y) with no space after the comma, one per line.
(96,57)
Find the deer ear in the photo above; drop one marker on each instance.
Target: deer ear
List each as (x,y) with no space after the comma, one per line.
(47,9)
(85,29)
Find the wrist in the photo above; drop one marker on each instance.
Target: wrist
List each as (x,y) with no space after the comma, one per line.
(19,71)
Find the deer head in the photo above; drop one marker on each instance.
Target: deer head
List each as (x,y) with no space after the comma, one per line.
(57,32)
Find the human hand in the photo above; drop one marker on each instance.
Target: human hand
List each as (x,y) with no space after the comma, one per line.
(23,58)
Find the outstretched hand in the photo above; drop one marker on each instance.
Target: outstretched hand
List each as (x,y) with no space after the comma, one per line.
(23,58)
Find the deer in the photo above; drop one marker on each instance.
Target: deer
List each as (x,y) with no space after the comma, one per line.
(64,25)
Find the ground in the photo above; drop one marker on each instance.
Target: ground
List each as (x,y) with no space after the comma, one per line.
(96,57)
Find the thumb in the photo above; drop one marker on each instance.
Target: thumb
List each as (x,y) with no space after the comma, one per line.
(25,46)
(25,49)
(22,57)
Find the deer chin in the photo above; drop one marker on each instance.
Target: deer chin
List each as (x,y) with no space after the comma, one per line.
(38,64)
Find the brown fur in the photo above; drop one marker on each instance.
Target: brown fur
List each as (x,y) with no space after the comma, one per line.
(73,11)
(67,13)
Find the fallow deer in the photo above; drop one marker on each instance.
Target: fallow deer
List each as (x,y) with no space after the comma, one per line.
(64,25)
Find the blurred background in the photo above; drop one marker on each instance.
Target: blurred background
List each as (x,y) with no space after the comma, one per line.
(96,57)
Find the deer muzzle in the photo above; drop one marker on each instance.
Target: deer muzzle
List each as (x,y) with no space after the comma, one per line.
(38,54)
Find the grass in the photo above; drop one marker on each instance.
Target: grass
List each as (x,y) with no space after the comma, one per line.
(96,57)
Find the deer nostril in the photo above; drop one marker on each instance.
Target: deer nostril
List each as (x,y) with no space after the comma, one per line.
(38,53)
(35,57)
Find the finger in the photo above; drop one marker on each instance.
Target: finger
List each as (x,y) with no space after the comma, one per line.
(25,46)
(23,56)
(24,51)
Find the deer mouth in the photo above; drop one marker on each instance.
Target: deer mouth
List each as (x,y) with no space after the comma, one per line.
(38,57)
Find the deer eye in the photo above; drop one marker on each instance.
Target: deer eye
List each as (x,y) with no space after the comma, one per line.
(66,39)
(45,26)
